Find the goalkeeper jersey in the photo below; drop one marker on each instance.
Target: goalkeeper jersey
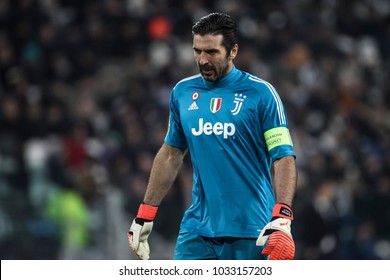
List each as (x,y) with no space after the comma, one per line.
(234,129)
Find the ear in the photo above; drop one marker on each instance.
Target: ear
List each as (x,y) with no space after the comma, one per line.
(233,52)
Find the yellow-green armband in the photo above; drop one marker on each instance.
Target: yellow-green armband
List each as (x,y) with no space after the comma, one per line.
(276,137)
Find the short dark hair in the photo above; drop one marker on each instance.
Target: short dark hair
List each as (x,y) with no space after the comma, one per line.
(215,24)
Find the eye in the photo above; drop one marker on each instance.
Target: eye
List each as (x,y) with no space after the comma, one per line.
(212,52)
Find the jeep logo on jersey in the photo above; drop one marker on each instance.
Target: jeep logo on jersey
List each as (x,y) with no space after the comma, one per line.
(215,104)
(225,129)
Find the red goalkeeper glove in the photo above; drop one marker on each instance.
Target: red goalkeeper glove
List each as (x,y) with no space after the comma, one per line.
(280,245)
(140,230)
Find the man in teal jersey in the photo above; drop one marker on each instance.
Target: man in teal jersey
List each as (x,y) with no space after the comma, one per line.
(235,129)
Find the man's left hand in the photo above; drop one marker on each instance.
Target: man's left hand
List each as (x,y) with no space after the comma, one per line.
(276,235)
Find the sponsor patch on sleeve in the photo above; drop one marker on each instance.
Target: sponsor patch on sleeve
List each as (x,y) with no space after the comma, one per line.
(276,137)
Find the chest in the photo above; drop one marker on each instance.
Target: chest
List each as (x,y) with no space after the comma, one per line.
(217,112)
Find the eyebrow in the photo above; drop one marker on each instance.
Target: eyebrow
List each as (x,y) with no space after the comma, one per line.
(206,50)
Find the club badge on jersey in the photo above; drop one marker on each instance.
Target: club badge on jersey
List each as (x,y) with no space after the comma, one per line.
(239,98)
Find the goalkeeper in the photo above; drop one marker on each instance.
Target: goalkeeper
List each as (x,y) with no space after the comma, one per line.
(235,128)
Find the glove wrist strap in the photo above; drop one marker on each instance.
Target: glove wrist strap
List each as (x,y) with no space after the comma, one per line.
(283,210)
(147,212)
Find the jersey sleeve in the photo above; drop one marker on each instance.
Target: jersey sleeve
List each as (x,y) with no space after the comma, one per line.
(274,123)
(175,136)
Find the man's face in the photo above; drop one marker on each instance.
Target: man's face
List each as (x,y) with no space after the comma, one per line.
(211,56)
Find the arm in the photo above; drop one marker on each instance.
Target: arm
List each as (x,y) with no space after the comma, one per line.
(165,168)
(276,236)
(285,179)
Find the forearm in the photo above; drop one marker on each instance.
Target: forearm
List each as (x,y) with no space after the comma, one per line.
(165,168)
(285,180)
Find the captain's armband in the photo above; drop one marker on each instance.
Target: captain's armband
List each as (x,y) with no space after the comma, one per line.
(276,137)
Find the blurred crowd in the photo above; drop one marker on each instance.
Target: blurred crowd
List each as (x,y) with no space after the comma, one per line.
(84,94)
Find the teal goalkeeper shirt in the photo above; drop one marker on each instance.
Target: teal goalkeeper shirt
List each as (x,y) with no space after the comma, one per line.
(234,129)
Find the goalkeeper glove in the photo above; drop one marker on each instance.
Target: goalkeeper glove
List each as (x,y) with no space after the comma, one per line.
(280,245)
(140,230)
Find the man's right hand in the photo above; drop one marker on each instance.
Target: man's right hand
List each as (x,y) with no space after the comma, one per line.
(138,235)
(140,230)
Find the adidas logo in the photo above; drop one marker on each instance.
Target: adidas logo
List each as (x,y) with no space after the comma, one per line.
(193,106)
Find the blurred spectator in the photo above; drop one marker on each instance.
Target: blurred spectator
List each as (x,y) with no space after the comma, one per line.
(66,208)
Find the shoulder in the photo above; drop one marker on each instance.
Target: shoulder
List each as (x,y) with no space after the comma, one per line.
(189,81)
(259,85)
(267,94)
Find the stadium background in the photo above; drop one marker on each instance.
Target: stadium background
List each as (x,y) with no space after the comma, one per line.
(84,101)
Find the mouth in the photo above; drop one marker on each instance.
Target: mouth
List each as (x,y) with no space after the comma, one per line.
(207,71)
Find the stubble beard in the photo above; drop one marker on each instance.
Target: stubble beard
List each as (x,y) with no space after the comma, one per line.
(217,72)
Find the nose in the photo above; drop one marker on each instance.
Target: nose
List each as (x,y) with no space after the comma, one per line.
(203,59)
